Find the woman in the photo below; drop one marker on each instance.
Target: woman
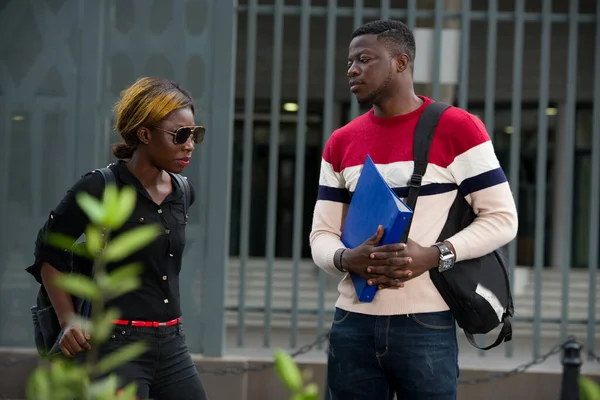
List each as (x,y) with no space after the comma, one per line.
(155,118)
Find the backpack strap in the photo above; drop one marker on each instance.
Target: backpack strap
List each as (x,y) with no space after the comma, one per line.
(185,185)
(107,174)
(505,335)
(424,132)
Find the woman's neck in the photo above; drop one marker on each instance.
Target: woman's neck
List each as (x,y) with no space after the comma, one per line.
(144,171)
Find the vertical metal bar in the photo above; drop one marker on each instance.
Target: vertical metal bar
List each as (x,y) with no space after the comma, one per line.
(329,100)
(568,140)
(247,163)
(515,140)
(90,77)
(490,82)
(437,47)
(411,19)
(490,67)
(594,196)
(358,20)
(385,9)
(300,155)
(542,159)
(465,38)
(219,146)
(273,163)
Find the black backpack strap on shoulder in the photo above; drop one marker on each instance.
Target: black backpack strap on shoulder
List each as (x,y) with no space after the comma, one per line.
(185,185)
(424,132)
(107,174)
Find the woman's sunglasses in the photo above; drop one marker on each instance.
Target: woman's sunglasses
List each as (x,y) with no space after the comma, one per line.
(181,135)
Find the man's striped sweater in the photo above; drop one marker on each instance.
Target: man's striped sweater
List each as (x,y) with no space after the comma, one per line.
(461,158)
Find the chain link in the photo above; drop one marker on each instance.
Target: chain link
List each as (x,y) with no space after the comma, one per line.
(325,337)
(518,370)
(258,368)
(593,356)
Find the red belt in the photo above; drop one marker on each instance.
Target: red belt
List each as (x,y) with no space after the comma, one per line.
(148,324)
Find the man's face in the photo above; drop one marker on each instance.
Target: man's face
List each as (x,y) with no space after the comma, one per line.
(370,68)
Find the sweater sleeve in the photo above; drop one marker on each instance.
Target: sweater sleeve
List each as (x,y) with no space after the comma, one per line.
(482,181)
(329,212)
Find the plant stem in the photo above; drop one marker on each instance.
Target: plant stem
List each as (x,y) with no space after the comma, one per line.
(97,304)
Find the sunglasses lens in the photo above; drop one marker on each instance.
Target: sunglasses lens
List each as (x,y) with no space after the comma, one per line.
(182,135)
(198,134)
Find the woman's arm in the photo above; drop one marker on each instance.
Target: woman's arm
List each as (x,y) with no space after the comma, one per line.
(68,220)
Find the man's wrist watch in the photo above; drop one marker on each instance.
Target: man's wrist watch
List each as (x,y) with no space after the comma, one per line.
(446,257)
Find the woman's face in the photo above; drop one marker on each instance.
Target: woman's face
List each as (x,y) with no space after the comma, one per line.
(163,152)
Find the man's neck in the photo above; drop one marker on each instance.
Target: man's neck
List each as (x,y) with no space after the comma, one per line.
(402,103)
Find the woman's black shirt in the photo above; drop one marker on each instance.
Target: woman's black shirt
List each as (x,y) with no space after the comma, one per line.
(157,299)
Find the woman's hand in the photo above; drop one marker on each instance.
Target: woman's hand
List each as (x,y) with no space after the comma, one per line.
(74,341)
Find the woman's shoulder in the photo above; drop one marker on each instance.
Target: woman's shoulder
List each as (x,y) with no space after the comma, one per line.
(93,182)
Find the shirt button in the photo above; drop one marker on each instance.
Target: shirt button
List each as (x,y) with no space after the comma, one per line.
(142,220)
(167,231)
(164,277)
(170,255)
(159,211)
(166,301)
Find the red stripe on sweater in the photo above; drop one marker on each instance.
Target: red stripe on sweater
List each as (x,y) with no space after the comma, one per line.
(389,140)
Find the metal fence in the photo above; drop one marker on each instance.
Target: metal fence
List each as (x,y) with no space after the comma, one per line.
(269,81)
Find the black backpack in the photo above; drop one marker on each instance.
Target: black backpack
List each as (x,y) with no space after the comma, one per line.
(47,330)
(477,291)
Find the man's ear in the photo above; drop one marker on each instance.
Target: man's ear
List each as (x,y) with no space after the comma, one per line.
(402,62)
(143,135)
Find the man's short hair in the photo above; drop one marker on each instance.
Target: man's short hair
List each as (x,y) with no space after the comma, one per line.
(398,37)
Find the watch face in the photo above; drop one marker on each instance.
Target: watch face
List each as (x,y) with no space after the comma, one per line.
(446,263)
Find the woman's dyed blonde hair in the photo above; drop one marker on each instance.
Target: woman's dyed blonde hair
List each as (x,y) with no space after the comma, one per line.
(148,101)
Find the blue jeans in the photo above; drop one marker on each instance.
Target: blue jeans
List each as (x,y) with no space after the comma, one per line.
(374,357)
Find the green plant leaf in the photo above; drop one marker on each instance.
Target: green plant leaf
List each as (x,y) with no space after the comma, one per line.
(110,200)
(131,241)
(311,392)
(119,357)
(132,270)
(123,208)
(288,370)
(103,325)
(92,207)
(38,385)
(588,389)
(104,388)
(78,285)
(94,240)
(59,240)
(118,288)
(129,391)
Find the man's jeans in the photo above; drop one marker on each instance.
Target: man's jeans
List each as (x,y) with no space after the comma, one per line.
(372,357)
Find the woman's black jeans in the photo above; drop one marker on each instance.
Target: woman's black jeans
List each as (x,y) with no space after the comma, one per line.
(166,371)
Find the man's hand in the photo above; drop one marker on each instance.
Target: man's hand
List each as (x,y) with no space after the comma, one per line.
(359,259)
(419,260)
(74,341)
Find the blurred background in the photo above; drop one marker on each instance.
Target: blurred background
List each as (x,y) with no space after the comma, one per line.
(269,82)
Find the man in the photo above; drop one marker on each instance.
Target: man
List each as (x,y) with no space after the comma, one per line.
(404,342)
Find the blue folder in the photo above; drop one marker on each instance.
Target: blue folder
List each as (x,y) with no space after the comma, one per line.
(373,203)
